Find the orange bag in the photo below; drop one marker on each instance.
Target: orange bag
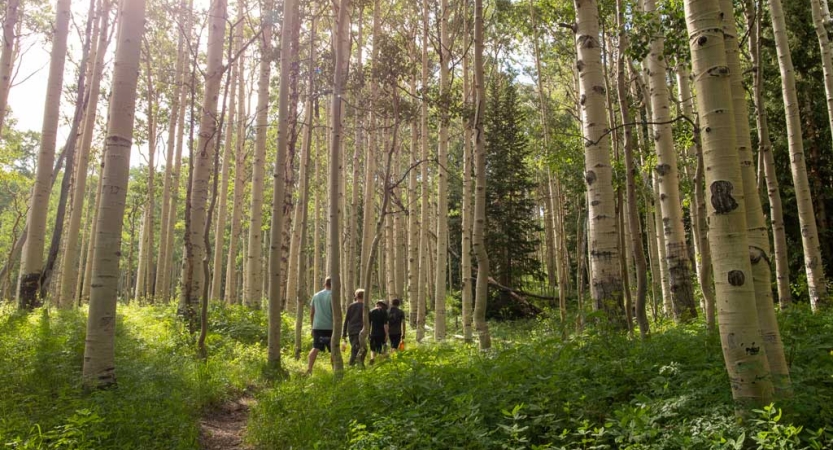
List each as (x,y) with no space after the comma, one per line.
(401,345)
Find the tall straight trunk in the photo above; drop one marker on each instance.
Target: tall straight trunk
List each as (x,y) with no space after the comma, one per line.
(352,272)
(468,195)
(368,209)
(442,179)
(99,349)
(178,120)
(145,266)
(170,183)
(759,250)
(7,56)
(203,158)
(809,234)
(88,264)
(479,226)
(295,284)
(290,23)
(782,269)
(698,206)
(31,263)
(605,273)
(216,290)
(676,249)
(230,293)
(826,62)
(342,54)
(253,290)
(413,218)
(70,266)
(422,295)
(745,358)
(632,211)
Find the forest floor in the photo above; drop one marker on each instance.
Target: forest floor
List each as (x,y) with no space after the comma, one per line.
(222,428)
(533,389)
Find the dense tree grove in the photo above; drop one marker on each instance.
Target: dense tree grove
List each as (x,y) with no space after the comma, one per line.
(607,170)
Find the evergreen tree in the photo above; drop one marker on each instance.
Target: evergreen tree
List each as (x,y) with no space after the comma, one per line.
(511,231)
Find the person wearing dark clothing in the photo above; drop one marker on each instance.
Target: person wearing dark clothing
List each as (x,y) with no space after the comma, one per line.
(396,324)
(378,329)
(353,324)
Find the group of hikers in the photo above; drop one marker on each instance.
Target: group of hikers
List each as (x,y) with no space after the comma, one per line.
(386,325)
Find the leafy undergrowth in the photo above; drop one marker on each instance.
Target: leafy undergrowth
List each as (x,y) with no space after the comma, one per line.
(162,387)
(535,391)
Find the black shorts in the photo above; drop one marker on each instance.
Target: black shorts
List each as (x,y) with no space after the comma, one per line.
(395,339)
(321,339)
(377,343)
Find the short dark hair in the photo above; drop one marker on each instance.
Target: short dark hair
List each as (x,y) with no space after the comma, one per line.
(328,282)
(396,302)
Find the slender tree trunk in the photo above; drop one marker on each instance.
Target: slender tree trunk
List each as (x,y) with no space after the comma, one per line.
(290,23)
(414,227)
(809,234)
(479,226)
(468,196)
(745,358)
(230,294)
(442,179)
(759,249)
(632,211)
(342,52)
(145,266)
(216,290)
(203,157)
(422,295)
(676,250)
(253,290)
(177,120)
(606,277)
(7,56)
(70,266)
(99,350)
(782,271)
(31,263)
(826,62)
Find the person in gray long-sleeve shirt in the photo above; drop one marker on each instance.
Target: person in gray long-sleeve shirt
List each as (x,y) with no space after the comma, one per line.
(353,324)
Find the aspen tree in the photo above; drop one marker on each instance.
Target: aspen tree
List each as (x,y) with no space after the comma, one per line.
(290,23)
(341,39)
(99,349)
(468,191)
(605,273)
(776,214)
(479,225)
(6,57)
(676,250)
(145,264)
(31,263)
(809,234)
(632,212)
(88,263)
(442,177)
(422,280)
(352,273)
(826,61)
(413,218)
(759,249)
(743,350)
(295,285)
(230,293)
(228,151)
(253,289)
(172,164)
(69,267)
(178,121)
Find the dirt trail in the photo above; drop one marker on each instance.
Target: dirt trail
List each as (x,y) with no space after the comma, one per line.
(222,428)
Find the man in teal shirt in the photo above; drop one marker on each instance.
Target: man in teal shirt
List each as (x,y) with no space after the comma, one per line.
(321,317)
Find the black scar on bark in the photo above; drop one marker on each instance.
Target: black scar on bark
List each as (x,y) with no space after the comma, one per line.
(583,99)
(701,41)
(595,203)
(753,350)
(590,177)
(662,169)
(736,278)
(722,200)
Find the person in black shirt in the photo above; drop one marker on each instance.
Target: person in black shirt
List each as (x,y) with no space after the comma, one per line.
(378,329)
(396,324)
(353,324)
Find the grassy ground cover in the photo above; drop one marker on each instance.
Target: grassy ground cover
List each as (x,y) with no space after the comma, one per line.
(534,391)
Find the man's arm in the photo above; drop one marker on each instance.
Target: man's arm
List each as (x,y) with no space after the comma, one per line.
(346,320)
(311,314)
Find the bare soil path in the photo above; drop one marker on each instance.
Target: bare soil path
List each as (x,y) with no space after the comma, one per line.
(222,428)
